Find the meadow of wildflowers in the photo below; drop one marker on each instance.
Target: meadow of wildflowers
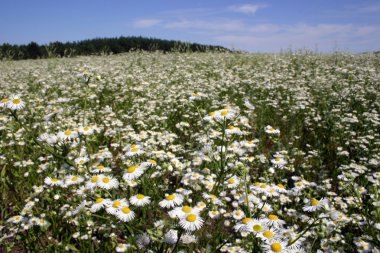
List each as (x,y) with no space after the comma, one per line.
(200,152)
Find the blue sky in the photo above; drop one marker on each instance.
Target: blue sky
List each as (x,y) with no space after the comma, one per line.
(257,26)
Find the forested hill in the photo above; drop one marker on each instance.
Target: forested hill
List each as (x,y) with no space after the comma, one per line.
(99,46)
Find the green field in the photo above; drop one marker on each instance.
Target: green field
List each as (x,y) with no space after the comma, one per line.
(191,152)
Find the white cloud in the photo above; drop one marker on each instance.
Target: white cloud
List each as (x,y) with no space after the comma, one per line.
(324,37)
(247,8)
(145,23)
(224,25)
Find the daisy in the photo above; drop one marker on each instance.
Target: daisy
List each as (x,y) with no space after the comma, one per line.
(53,181)
(86,130)
(243,225)
(122,247)
(16,219)
(270,130)
(233,182)
(171,200)
(108,182)
(93,182)
(15,103)
(73,179)
(238,214)
(140,200)
(256,226)
(4,102)
(133,150)
(268,234)
(275,246)
(67,135)
(112,207)
(125,214)
(179,212)
(274,221)
(191,222)
(233,130)
(214,214)
(133,173)
(100,169)
(99,204)
(279,161)
(315,205)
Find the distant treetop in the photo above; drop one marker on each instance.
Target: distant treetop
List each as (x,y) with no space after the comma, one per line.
(100,46)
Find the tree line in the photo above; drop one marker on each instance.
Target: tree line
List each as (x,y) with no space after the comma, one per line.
(99,46)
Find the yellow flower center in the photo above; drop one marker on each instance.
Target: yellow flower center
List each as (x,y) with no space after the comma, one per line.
(106,180)
(191,218)
(257,183)
(224,113)
(281,186)
(134,150)
(231,127)
(99,200)
(314,202)
(67,132)
(100,167)
(186,209)
(133,146)
(238,213)
(94,179)
(16,101)
(268,234)
(152,161)
(74,178)
(86,129)
(277,159)
(211,114)
(273,217)
(195,94)
(231,181)
(276,247)
(140,196)
(116,203)
(4,100)
(126,210)
(246,220)
(54,180)
(257,227)
(263,186)
(227,107)
(132,169)
(170,197)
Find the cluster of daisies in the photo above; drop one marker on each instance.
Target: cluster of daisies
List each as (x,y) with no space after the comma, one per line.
(143,153)
(14,102)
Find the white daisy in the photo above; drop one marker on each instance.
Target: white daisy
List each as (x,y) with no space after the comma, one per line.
(171,200)
(67,135)
(86,130)
(139,200)
(108,182)
(270,130)
(53,181)
(99,204)
(112,207)
(73,179)
(133,173)
(100,169)
(315,205)
(274,221)
(15,103)
(125,214)
(122,247)
(180,211)
(276,246)
(191,222)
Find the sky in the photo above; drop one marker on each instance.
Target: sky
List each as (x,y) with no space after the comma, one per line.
(255,26)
